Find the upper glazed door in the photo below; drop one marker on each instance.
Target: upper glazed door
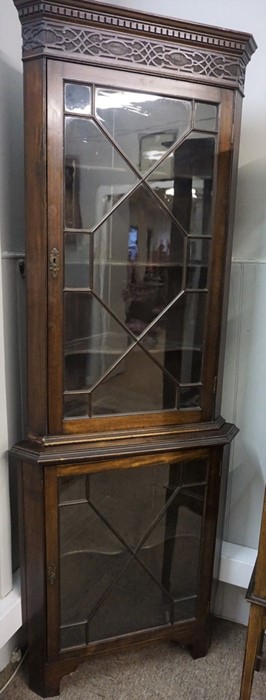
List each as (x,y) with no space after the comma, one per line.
(138,172)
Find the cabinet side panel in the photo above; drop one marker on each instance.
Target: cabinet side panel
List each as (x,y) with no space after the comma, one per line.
(34,536)
(227,275)
(218,290)
(36,245)
(53,567)
(209,538)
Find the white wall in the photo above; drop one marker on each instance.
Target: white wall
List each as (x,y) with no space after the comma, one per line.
(245,368)
(11,243)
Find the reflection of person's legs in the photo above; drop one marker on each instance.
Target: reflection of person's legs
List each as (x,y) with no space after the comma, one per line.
(252,644)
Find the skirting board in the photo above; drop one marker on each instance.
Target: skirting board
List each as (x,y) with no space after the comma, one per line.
(235,569)
(236,564)
(10,621)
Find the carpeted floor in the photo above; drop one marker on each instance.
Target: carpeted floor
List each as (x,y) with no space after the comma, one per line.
(160,672)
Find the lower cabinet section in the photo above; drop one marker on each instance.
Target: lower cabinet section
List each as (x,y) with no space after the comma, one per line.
(118,551)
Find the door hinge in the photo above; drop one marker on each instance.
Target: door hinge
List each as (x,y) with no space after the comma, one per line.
(214,389)
(51,573)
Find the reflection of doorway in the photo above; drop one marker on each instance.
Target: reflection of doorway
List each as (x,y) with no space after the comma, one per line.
(72,194)
(152,148)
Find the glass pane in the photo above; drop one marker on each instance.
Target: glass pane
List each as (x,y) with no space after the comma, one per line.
(74,636)
(136,603)
(138,384)
(185,609)
(197,276)
(76,406)
(190,397)
(139,254)
(198,250)
(194,471)
(197,269)
(95,173)
(179,334)
(94,341)
(135,386)
(186,473)
(124,496)
(183,521)
(171,553)
(92,558)
(72,489)
(85,578)
(134,120)
(187,190)
(77,256)
(77,98)
(205,116)
(130,555)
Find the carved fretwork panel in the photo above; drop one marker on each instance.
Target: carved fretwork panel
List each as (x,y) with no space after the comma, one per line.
(54,38)
(95,32)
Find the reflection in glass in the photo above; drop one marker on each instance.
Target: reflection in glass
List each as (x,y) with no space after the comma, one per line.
(94,343)
(93,340)
(143,261)
(77,257)
(76,406)
(197,265)
(137,385)
(190,397)
(183,337)
(176,539)
(187,191)
(73,636)
(194,472)
(135,544)
(130,515)
(135,603)
(94,173)
(186,609)
(197,277)
(205,116)
(198,250)
(134,120)
(90,548)
(72,489)
(72,193)
(77,98)
(138,260)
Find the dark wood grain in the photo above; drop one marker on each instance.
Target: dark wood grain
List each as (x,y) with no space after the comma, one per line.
(35,571)
(256,595)
(36,243)
(219,247)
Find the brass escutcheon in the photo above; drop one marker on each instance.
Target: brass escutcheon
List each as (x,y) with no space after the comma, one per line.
(54,262)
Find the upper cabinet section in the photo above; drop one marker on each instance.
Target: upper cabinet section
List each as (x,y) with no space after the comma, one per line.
(105,34)
(132,133)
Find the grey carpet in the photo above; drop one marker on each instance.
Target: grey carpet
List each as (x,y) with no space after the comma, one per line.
(160,672)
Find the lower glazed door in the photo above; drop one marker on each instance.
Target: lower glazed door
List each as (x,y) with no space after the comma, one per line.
(133,548)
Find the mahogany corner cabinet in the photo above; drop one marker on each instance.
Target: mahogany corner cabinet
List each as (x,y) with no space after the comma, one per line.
(132,126)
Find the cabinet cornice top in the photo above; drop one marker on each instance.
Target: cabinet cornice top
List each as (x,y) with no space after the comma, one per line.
(99,32)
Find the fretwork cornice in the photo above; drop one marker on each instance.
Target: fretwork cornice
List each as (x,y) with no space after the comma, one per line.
(99,32)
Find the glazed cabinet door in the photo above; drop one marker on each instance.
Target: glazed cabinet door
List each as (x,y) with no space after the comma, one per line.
(130,548)
(137,184)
